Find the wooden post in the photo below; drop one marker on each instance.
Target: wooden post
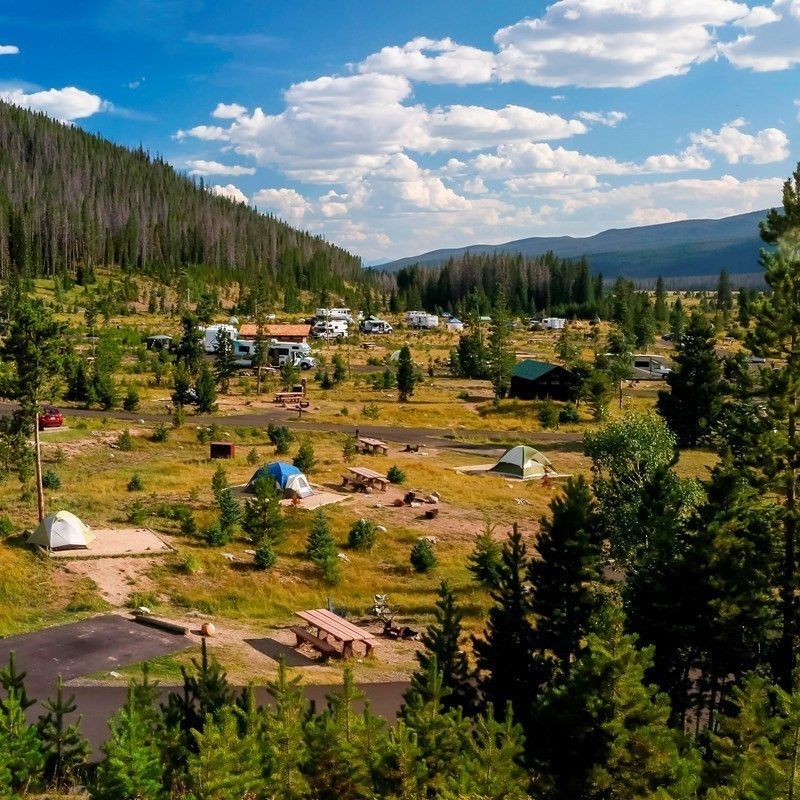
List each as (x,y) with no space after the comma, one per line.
(38,449)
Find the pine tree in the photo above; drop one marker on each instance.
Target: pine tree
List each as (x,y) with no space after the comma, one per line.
(660,311)
(724,292)
(305,460)
(769,449)
(504,653)
(677,320)
(189,350)
(745,750)
(441,735)
(604,733)
(229,511)
(224,361)
(132,767)
(321,547)
(13,682)
(406,375)
(499,351)
(284,739)
(182,394)
(694,401)
(20,748)
(264,520)
(566,576)
(442,641)
(219,482)
(206,391)
(486,559)
(222,766)
(65,748)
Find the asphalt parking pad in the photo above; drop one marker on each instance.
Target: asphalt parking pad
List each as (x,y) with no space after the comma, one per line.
(81,648)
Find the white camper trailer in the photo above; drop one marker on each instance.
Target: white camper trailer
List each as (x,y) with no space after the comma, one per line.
(553,323)
(329,329)
(334,314)
(421,319)
(210,336)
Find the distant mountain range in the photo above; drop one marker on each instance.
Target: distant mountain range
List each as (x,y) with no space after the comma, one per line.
(692,250)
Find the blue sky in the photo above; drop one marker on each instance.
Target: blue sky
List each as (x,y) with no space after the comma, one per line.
(395,128)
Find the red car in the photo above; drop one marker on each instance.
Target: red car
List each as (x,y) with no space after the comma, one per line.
(50,417)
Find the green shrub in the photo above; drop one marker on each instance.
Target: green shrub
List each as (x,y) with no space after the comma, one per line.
(215,537)
(136,512)
(50,479)
(370,411)
(6,528)
(569,413)
(138,599)
(395,474)
(548,414)
(265,557)
(252,457)
(132,399)
(422,557)
(362,535)
(189,525)
(463,395)
(219,482)
(280,437)
(190,565)
(161,433)
(124,441)
(485,562)
(135,483)
(60,456)
(305,460)
(349,449)
(229,511)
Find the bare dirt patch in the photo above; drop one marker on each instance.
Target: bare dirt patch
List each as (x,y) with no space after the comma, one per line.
(116,578)
(118,542)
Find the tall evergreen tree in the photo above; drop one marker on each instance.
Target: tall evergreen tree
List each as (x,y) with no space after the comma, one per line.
(442,641)
(206,391)
(406,375)
(499,352)
(224,361)
(507,672)
(677,320)
(65,748)
(660,310)
(724,292)
(20,749)
(566,577)
(694,401)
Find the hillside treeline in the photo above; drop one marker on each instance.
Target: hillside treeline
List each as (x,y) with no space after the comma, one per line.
(541,284)
(70,201)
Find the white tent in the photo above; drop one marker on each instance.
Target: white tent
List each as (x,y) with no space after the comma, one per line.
(298,486)
(62,531)
(523,462)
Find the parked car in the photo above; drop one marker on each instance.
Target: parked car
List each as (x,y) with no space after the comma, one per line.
(50,417)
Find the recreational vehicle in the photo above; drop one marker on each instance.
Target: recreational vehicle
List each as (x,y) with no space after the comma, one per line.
(330,329)
(210,336)
(421,319)
(375,325)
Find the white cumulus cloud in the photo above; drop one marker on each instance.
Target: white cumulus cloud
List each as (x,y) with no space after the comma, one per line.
(199,166)
(288,204)
(233,193)
(228,111)
(731,142)
(433,61)
(609,118)
(771,40)
(612,43)
(9,50)
(66,104)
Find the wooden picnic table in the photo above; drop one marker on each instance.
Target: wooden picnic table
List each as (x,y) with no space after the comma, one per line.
(368,445)
(332,625)
(362,477)
(282,397)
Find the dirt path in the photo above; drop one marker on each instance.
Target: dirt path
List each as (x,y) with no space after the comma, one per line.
(433,437)
(116,578)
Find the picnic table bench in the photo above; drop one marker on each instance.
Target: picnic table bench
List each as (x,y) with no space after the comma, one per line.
(303,635)
(282,397)
(331,626)
(367,445)
(363,478)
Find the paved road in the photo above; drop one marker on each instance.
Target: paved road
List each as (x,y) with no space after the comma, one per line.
(105,642)
(111,641)
(97,704)
(433,437)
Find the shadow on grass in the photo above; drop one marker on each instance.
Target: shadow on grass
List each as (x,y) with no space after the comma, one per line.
(276,650)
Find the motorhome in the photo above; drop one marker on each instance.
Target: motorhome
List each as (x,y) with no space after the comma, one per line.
(298,353)
(210,336)
(553,323)
(329,314)
(330,329)
(650,367)
(421,319)
(375,325)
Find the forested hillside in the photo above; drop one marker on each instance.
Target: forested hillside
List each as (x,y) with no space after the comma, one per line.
(70,200)
(472,282)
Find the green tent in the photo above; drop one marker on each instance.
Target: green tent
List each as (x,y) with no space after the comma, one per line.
(523,462)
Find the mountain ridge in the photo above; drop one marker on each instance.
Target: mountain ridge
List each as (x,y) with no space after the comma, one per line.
(693,247)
